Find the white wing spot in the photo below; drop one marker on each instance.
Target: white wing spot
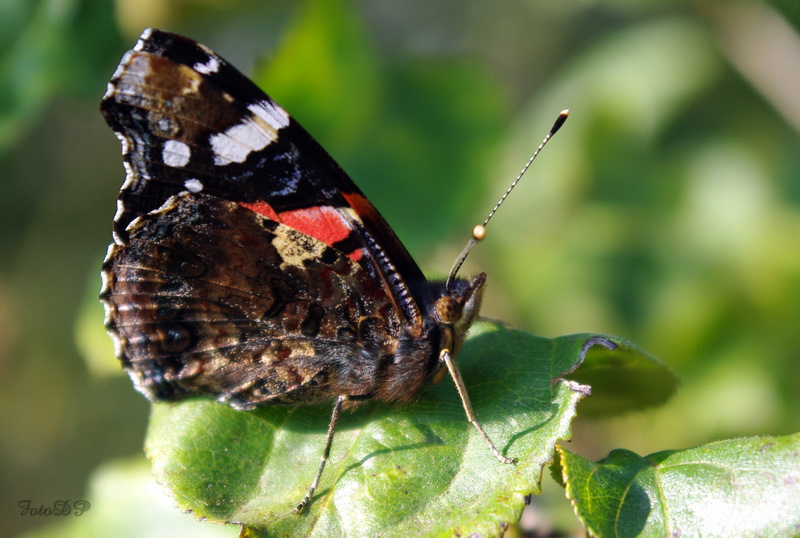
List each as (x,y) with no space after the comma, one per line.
(235,144)
(110,89)
(193,185)
(271,113)
(126,146)
(148,32)
(211,66)
(121,69)
(254,133)
(175,154)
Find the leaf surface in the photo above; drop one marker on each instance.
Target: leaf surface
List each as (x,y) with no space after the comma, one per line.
(391,471)
(736,487)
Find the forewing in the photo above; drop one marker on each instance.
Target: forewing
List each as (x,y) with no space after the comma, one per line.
(189,121)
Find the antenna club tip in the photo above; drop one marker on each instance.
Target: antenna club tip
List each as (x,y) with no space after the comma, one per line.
(562,117)
(479,232)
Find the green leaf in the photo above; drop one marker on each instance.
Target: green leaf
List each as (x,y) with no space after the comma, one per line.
(391,471)
(623,378)
(737,487)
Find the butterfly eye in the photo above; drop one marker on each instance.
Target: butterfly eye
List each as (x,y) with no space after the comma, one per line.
(449,310)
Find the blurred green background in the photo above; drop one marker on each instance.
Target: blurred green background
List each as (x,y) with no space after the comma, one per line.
(667,210)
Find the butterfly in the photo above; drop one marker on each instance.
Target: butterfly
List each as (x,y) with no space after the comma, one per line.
(247,267)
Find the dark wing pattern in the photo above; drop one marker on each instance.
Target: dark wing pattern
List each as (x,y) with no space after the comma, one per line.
(239,241)
(188,120)
(199,307)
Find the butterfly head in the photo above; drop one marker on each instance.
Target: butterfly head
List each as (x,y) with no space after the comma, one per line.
(458,306)
(455,311)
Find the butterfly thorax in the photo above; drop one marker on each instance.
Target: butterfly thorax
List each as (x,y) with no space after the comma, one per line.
(449,315)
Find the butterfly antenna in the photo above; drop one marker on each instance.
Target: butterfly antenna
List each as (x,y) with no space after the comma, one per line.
(479,231)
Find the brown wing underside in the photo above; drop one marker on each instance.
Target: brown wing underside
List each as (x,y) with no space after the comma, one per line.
(210,298)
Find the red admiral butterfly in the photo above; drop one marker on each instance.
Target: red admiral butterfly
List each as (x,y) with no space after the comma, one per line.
(247,266)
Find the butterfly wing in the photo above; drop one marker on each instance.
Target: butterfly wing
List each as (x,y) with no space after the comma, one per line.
(236,234)
(210,298)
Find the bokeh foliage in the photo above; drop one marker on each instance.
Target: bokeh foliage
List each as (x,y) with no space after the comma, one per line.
(666,211)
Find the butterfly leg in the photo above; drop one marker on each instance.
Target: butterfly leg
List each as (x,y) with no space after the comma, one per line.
(445,357)
(337,408)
